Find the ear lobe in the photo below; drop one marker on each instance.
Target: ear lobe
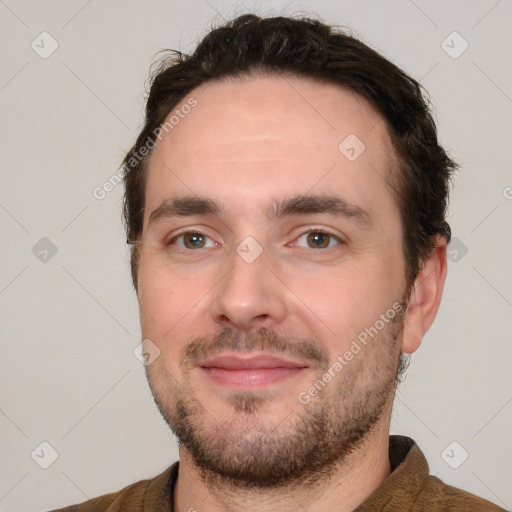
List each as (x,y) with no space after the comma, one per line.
(425,297)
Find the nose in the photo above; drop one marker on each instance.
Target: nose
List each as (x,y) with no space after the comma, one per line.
(249,296)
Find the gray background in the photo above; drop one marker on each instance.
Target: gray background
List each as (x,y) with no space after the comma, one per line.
(69,321)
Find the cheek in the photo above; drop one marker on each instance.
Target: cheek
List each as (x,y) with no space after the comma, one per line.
(170,298)
(336,303)
(344,301)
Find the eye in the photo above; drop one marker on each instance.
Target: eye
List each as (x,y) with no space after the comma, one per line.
(192,240)
(317,240)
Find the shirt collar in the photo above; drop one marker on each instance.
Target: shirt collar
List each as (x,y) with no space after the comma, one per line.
(409,469)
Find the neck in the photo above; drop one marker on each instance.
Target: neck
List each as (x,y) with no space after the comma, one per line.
(344,489)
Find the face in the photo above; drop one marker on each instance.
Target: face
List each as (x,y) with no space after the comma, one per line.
(272,278)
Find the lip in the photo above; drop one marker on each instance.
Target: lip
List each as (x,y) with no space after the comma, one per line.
(251,371)
(251,362)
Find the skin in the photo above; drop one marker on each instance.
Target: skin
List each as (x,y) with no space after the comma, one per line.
(247,143)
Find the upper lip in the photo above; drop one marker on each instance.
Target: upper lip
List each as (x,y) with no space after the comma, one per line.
(232,362)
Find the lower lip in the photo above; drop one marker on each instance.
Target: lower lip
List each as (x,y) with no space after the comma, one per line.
(250,378)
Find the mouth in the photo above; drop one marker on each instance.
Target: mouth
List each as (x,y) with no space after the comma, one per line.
(237,371)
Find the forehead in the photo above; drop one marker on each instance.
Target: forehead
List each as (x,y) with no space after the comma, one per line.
(263,136)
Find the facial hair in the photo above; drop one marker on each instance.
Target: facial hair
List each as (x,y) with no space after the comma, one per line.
(240,452)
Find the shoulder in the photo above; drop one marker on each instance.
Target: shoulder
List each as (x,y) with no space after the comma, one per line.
(145,495)
(411,488)
(438,496)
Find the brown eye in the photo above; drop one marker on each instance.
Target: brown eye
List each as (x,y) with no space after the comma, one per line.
(192,240)
(317,240)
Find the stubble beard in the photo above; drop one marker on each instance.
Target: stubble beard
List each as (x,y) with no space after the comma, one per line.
(246,451)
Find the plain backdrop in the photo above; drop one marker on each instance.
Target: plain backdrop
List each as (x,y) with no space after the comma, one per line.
(69,316)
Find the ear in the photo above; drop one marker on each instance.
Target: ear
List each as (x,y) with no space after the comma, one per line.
(425,297)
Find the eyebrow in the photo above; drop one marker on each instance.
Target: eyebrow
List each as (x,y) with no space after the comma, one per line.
(324,203)
(185,206)
(302,204)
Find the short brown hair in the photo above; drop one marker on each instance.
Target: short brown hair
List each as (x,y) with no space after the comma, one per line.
(307,47)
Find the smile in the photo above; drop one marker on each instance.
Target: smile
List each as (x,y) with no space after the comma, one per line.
(250,372)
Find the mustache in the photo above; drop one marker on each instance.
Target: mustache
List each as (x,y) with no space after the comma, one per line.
(263,339)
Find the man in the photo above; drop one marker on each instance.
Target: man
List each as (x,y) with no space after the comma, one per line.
(285,202)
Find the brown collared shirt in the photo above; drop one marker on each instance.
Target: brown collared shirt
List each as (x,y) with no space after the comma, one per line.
(409,488)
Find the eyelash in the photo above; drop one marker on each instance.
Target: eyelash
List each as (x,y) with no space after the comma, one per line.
(316,231)
(322,232)
(181,235)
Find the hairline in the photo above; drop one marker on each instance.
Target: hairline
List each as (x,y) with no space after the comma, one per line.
(395,167)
